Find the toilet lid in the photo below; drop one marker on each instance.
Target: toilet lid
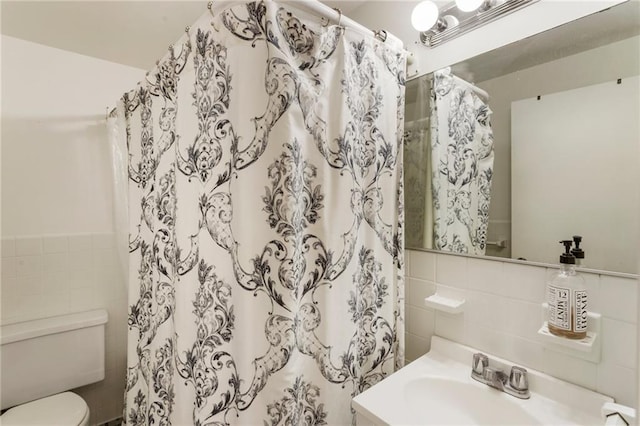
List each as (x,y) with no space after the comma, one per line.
(63,409)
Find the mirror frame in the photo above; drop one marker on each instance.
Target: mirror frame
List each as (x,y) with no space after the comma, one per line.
(532,263)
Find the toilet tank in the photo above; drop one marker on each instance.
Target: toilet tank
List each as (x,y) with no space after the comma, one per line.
(46,356)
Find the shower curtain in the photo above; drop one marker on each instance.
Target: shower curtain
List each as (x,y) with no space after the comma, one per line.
(462,164)
(266,222)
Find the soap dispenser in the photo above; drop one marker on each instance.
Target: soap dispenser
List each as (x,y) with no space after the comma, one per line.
(567,299)
(578,252)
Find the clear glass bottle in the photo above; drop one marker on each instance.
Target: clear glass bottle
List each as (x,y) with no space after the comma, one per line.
(567,299)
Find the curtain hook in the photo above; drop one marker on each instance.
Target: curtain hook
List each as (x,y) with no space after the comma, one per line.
(187,29)
(213,16)
(340,14)
(381,35)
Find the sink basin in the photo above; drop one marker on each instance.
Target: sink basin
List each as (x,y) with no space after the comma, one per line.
(441,397)
(437,389)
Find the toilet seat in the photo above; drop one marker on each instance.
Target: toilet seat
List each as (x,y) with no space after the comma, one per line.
(63,409)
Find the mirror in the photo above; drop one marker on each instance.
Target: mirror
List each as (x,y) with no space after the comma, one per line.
(565,108)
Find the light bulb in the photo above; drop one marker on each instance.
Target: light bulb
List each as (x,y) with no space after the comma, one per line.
(424,15)
(468,5)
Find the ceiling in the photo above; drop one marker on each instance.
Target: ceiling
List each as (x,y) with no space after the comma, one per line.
(134,33)
(137,33)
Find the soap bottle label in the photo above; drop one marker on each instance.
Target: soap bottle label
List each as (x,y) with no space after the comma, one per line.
(559,308)
(580,303)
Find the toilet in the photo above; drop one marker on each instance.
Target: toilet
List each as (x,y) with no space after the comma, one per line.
(42,360)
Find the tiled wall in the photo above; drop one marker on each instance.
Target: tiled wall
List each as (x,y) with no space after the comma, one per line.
(503,314)
(50,275)
(58,189)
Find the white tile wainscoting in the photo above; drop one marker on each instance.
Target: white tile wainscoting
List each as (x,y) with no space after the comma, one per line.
(57,274)
(503,314)
(50,275)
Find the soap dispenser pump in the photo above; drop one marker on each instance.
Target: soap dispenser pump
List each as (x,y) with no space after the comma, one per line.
(577,252)
(567,298)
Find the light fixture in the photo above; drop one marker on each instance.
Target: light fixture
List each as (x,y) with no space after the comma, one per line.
(424,15)
(468,5)
(449,21)
(457,19)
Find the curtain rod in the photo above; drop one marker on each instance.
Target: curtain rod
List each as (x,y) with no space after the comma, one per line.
(473,87)
(484,95)
(314,6)
(420,123)
(332,14)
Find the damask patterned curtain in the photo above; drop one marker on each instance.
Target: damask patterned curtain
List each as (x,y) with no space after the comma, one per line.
(266,222)
(462,164)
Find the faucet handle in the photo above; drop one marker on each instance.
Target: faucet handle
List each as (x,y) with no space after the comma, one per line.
(480,362)
(518,379)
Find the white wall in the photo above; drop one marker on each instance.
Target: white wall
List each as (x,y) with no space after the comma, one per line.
(58,253)
(56,174)
(503,314)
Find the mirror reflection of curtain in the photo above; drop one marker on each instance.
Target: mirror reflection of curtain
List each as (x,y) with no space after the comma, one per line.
(462,164)
(417,168)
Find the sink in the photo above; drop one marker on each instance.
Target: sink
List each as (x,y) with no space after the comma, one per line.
(437,389)
(441,397)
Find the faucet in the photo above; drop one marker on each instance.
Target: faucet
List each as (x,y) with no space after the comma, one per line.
(516,384)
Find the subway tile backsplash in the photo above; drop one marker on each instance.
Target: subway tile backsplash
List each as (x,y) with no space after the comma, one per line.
(55,244)
(8,247)
(28,246)
(503,313)
(40,275)
(618,298)
(58,274)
